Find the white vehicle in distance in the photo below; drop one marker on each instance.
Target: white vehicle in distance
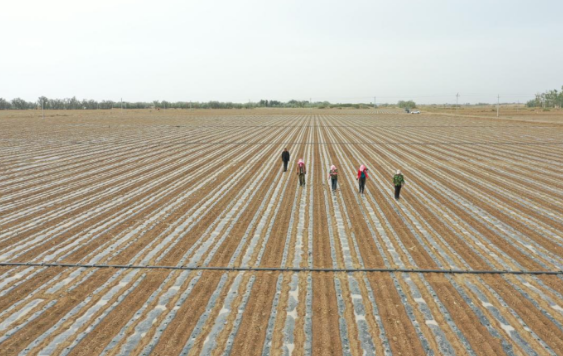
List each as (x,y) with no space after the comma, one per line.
(415,112)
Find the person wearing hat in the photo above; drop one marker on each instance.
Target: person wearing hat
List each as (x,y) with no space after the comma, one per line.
(301,171)
(333,176)
(398,181)
(362,176)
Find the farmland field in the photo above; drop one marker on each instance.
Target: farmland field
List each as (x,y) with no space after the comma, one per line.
(80,190)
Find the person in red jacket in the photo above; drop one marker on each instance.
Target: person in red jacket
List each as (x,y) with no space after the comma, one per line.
(362,177)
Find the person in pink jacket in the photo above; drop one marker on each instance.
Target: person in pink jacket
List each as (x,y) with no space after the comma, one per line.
(362,177)
(301,171)
(333,176)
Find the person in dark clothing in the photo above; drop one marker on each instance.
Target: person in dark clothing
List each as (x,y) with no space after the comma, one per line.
(301,171)
(285,159)
(398,182)
(333,176)
(362,177)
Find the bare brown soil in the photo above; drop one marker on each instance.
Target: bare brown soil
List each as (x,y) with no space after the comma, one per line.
(206,188)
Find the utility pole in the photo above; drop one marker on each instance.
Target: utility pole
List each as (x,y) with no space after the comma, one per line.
(456,101)
(374,104)
(498,103)
(42,108)
(122,105)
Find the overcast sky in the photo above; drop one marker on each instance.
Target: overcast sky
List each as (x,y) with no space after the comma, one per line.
(240,50)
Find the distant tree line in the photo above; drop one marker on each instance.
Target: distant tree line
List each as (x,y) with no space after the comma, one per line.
(76,104)
(549,99)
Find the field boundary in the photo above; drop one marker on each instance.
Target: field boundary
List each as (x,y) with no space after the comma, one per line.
(373,143)
(277,269)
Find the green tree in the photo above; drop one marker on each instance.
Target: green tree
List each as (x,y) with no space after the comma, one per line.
(43,102)
(5,104)
(20,104)
(406,104)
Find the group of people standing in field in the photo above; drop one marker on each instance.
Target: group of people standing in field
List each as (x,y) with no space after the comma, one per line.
(398,179)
